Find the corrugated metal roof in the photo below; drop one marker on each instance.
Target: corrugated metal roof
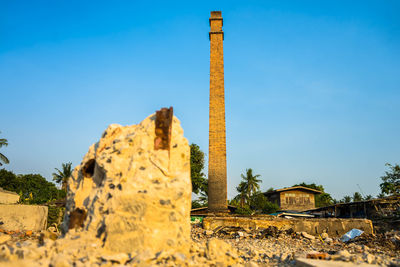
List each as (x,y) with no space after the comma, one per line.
(294,188)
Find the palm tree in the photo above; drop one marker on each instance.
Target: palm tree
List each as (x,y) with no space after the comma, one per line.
(4,159)
(251,182)
(346,199)
(243,196)
(63,176)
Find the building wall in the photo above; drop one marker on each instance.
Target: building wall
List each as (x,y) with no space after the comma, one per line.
(334,227)
(297,200)
(23,217)
(8,198)
(275,198)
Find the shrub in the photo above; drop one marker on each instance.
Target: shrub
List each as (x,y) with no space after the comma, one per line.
(55,216)
(244,211)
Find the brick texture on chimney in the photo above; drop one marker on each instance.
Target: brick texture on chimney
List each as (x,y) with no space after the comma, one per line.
(217,176)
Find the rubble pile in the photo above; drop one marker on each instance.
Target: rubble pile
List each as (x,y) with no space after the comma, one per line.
(276,247)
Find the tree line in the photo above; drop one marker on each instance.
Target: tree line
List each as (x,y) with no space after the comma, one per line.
(250,200)
(35,189)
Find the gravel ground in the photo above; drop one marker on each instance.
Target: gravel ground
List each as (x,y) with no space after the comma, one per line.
(271,247)
(225,247)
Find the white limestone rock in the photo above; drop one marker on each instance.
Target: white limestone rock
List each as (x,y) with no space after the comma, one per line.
(131,197)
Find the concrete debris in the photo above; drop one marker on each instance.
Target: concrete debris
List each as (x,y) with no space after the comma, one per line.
(209,232)
(324,236)
(4,238)
(308,236)
(18,217)
(276,247)
(333,227)
(132,189)
(301,262)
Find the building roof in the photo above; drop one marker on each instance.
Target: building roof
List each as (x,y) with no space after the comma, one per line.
(299,187)
(388,199)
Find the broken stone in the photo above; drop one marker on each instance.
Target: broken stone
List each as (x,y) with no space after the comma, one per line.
(4,238)
(344,254)
(324,236)
(308,236)
(141,215)
(120,258)
(368,257)
(251,264)
(220,251)
(209,232)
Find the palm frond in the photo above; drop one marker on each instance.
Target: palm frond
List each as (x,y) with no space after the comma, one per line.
(3,159)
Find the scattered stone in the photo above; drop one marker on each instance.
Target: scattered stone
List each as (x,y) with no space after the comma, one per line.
(120,258)
(251,264)
(344,255)
(209,232)
(4,238)
(308,236)
(324,236)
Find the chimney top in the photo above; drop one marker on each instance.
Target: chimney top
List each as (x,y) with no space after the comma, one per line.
(216,14)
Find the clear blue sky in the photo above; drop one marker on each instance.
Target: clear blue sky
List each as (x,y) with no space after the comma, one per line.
(312,87)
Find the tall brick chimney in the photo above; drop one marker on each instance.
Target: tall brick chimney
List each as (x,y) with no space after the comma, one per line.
(217,186)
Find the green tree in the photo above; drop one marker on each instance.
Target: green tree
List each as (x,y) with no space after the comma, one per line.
(368,197)
(3,159)
(63,176)
(346,199)
(36,189)
(391,180)
(271,189)
(199,180)
(260,203)
(196,204)
(321,200)
(380,195)
(357,197)
(9,181)
(234,202)
(251,182)
(243,197)
(33,188)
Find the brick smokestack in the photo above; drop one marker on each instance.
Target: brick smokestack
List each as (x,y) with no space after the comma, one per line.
(217,185)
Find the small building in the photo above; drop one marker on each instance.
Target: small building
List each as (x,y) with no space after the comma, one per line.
(8,197)
(296,198)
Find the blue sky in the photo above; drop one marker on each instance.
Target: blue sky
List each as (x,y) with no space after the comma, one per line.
(312,87)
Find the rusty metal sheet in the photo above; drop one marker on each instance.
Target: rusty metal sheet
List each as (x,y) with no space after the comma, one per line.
(163,128)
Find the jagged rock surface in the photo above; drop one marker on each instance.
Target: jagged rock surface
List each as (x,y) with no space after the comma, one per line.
(131,197)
